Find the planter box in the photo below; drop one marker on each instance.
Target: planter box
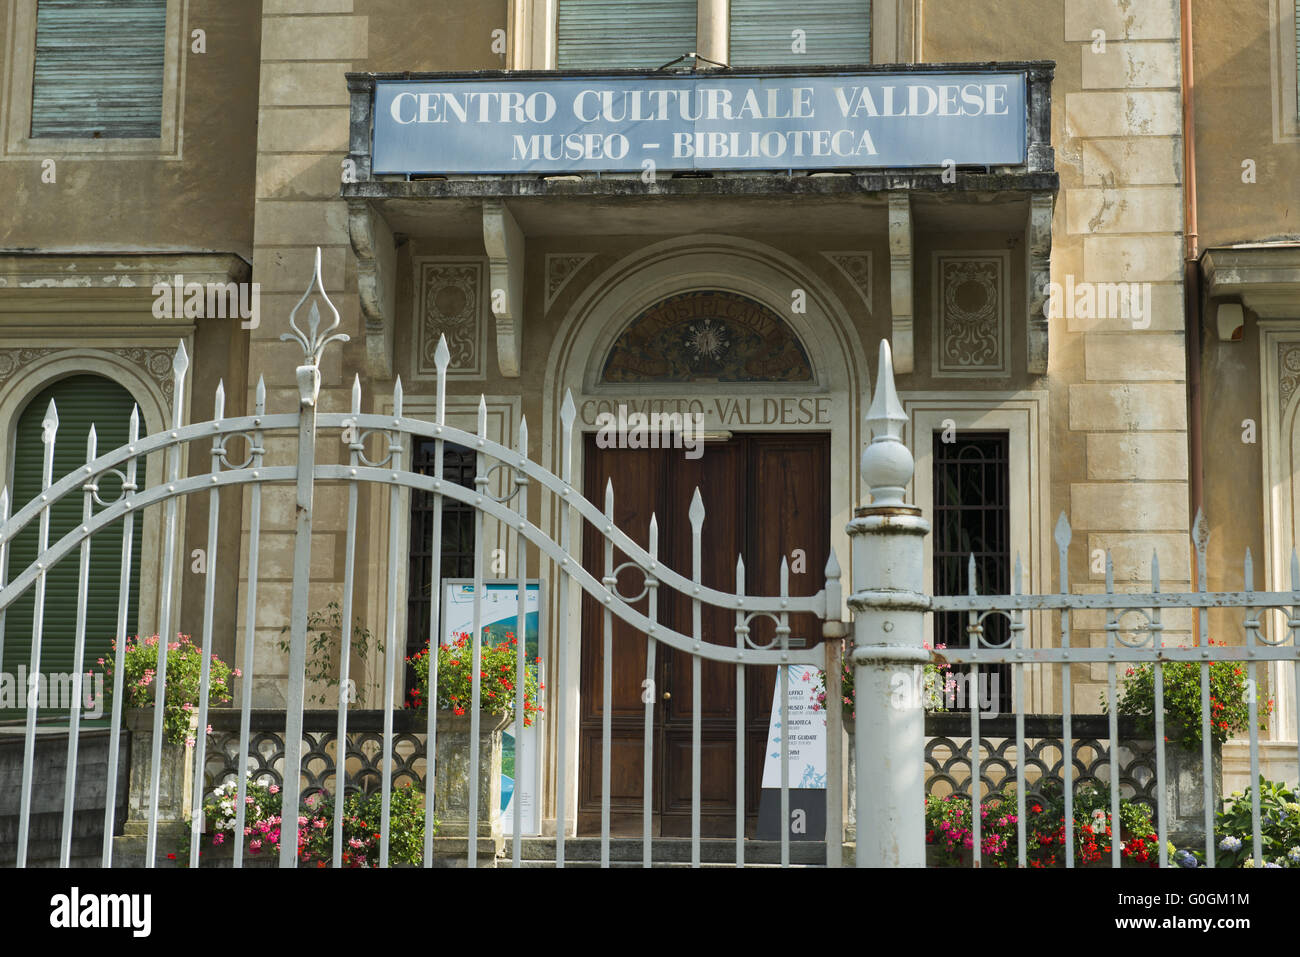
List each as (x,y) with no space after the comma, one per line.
(1185,790)
(175,792)
(175,774)
(452,788)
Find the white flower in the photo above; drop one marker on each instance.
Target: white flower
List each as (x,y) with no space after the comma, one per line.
(1230,843)
(1250,862)
(1293,855)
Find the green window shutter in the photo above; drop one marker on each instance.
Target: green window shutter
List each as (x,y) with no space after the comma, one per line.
(99,68)
(80,401)
(618,34)
(835,32)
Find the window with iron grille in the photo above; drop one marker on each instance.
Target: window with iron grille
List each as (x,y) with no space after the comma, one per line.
(99,68)
(458,466)
(971,516)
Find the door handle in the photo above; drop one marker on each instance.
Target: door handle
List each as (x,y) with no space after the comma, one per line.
(667,695)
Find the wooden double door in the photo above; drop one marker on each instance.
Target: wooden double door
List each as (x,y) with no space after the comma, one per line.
(766,496)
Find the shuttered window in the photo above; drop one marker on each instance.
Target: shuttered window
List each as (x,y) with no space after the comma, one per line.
(99,68)
(621,34)
(80,400)
(833,32)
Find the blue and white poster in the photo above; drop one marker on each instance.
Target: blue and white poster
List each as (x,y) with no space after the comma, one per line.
(806,729)
(520,771)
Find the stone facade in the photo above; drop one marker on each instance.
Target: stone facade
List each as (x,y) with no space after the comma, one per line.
(1100,432)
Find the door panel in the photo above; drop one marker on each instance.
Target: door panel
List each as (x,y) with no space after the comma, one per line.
(764,496)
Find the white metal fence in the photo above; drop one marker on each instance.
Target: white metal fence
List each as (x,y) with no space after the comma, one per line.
(888,604)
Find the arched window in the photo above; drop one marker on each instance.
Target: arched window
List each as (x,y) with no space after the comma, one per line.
(81,400)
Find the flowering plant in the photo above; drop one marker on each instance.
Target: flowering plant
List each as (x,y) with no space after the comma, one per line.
(184,664)
(949,827)
(1279,829)
(362,814)
(497,671)
(937,686)
(1229,700)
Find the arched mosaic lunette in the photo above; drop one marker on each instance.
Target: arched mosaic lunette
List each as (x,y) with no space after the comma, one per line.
(707,335)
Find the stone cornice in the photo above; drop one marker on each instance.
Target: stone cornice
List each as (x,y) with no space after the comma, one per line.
(1265,279)
(37,270)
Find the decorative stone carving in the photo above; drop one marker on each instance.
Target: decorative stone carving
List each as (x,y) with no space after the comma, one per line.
(11,360)
(449,301)
(707,336)
(156,362)
(1288,369)
(560,268)
(856,268)
(971,318)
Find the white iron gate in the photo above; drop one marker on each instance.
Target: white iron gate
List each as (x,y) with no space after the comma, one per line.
(888,601)
(388,467)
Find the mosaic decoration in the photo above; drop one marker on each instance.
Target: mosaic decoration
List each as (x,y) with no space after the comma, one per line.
(970,315)
(707,336)
(449,302)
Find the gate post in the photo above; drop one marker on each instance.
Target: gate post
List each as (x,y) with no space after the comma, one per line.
(889,606)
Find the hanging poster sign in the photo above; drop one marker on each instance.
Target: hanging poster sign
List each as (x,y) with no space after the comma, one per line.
(806,731)
(520,770)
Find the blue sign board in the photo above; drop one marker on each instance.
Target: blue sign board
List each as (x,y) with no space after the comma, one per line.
(699,122)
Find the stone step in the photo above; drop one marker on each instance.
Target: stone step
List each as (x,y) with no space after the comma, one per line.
(667,851)
(635,864)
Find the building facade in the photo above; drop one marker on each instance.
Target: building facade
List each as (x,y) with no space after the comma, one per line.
(1036,308)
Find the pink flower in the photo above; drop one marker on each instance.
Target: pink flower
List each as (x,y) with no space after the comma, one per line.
(173,645)
(255,845)
(274,789)
(236,672)
(219,838)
